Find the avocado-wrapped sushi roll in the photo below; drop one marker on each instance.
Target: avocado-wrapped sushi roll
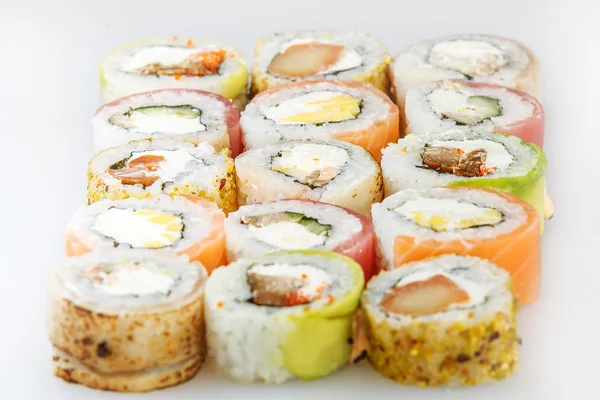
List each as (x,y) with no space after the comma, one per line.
(327,171)
(412,225)
(258,229)
(285,315)
(287,57)
(449,320)
(192,115)
(187,225)
(127,320)
(442,105)
(169,63)
(147,168)
(353,112)
(473,57)
(466,157)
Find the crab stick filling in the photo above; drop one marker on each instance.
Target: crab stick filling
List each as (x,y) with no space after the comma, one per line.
(302,58)
(315,108)
(469,57)
(175,61)
(139,228)
(285,285)
(443,215)
(129,279)
(287,230)
(182,119)
(431,291)
(469,158)
(311,164)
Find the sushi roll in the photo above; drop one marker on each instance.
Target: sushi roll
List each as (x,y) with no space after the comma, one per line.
(183,114)
(467,157)
(258,229)
(169,63)
(331,172)
(412,225)
(442,105)
(147,168)
(293,56)
(127,320)
(285,315)
(186,225)
(449,320)
(353,112)
(477,58)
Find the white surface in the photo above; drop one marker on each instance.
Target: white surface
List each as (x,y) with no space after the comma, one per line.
(48,92)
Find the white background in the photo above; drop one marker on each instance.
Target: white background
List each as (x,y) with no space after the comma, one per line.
(50,52)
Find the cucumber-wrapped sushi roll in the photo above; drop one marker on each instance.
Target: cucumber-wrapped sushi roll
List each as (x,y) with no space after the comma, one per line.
(147,168)
(293,56)
(127,320)
(478,58)
(412,225)
(467,157)
(449,320)
(327,171)
(442,105)
(285,315)
(258,229)
(353,112)
(169,63)
(186,225)
(191,115)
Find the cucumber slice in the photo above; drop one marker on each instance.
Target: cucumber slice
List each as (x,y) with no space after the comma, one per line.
(182,111)
(480,108)
(311,224)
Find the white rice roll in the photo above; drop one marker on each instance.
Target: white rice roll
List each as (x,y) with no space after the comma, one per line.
(327,171)
(127,320)
(285,315)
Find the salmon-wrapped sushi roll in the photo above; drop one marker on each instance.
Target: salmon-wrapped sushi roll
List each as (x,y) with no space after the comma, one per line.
(442,105)
(170,63)
(258,229)
(448,320)
(147,168)
(477,58)
(331,172)
(349,111)
(183,224)
(127,320)
(191,115)
(289,57)
(412,225)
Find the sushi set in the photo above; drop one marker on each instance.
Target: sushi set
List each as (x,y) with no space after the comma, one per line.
(332,206)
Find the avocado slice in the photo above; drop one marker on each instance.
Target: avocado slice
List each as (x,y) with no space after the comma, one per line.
(183,111)
(481,108)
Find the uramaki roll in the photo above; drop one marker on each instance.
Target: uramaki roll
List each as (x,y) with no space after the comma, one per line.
(147,168)
(412,225)
(170,63)
(183,114)
(186,225)
(449,320)
(288,57)
(127,320)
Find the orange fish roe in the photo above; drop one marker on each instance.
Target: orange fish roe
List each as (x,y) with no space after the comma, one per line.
(189,43)
(220,304)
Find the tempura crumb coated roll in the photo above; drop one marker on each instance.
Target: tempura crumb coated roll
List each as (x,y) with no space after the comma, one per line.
(284,315)
(353,112)
(327,171)
(442,105)
(191,115)
(127,320)
(293,56)
(185,225)
(449,320)
(477,58)
(412,225)
(258,229)
(147,168)
(169,63)
(467,157)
